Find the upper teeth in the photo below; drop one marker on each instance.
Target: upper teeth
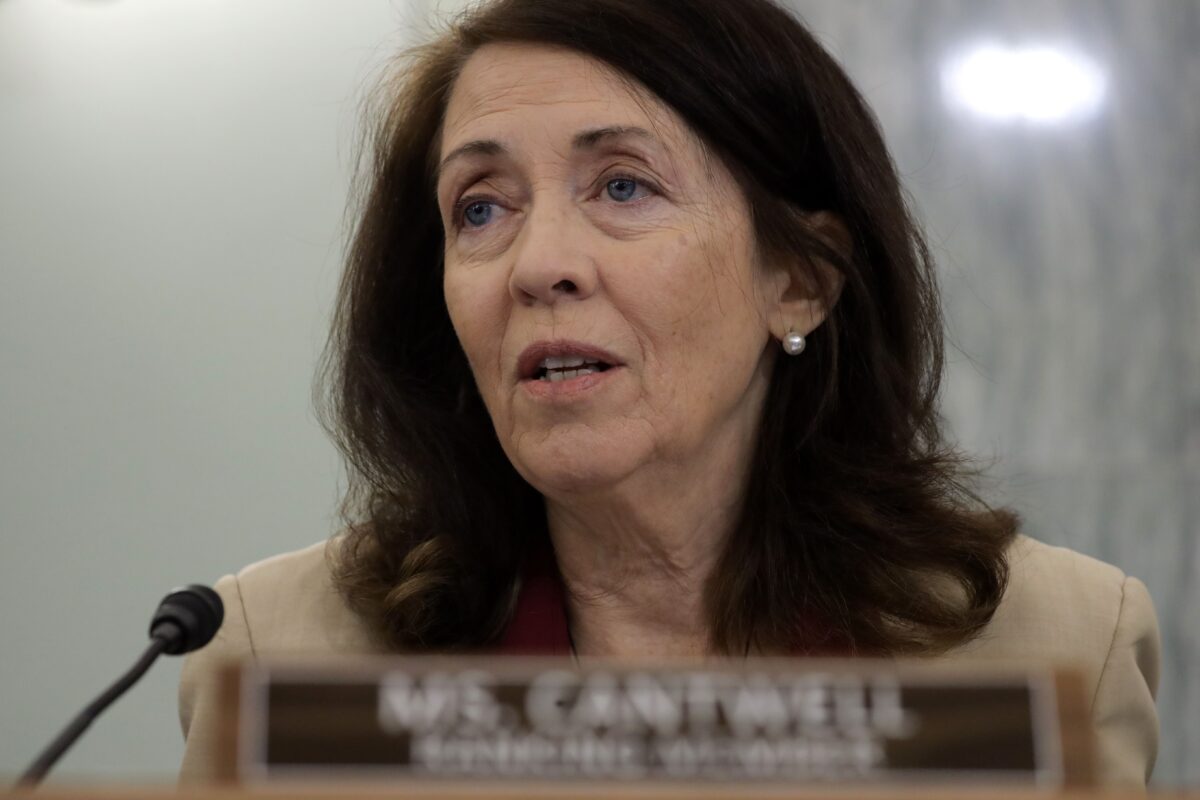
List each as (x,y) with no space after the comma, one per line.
(565,362)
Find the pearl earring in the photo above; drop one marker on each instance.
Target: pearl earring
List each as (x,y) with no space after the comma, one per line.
(793,344)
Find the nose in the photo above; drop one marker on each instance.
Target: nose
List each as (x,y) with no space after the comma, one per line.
(551,264)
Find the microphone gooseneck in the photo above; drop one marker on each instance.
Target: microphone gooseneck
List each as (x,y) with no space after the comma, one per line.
(186,620)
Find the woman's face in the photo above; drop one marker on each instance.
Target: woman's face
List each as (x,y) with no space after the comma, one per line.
(600,273)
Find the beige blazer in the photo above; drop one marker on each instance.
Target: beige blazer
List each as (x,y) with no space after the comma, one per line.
(1061,607)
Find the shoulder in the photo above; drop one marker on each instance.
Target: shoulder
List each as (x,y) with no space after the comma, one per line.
(286,604)
(290,604)
(1057,587)
(1059,605)
(1065,608)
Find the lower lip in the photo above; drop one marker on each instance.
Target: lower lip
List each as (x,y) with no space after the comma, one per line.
(570,388)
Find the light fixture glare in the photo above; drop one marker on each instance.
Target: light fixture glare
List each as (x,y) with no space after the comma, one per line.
(1039,84)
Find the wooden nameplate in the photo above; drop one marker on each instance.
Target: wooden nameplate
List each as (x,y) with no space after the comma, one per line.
(766,723)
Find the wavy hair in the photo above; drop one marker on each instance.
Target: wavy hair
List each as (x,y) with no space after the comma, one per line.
(858,513)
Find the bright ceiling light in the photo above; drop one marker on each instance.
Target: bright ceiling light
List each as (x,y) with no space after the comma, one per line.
(1024,84)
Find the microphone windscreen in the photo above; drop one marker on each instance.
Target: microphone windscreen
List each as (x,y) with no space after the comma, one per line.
(197,612)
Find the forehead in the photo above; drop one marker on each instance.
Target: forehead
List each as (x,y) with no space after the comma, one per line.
(518,89)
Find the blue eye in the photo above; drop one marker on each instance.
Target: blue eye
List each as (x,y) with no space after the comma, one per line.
(621,189)
(478,213)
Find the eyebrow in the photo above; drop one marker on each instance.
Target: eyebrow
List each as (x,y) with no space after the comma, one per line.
(584,140)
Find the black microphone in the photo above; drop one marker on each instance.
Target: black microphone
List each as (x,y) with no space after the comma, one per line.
(186,620)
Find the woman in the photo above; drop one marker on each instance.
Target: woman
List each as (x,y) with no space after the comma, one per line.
(637,354)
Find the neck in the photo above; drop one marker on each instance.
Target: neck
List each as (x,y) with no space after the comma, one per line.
(635,561)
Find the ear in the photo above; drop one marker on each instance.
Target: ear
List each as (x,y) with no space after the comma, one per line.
(805,289)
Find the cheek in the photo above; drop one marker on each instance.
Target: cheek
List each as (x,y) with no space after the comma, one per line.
(697,307)
(477,310)
(662,289)
(700,297)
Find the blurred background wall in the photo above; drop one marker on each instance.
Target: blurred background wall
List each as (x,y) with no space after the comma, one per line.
(173,177)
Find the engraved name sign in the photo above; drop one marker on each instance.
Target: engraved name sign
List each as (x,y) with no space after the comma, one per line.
(756,721)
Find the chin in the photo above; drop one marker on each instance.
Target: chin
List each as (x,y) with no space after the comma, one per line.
(566,463)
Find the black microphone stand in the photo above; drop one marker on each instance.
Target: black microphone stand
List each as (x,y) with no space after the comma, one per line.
(54,751)
(186,620)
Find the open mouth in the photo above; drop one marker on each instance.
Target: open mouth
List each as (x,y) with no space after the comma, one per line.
(564,368)
(563,360)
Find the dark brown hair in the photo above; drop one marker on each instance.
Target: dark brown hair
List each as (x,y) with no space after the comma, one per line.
(858,514)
